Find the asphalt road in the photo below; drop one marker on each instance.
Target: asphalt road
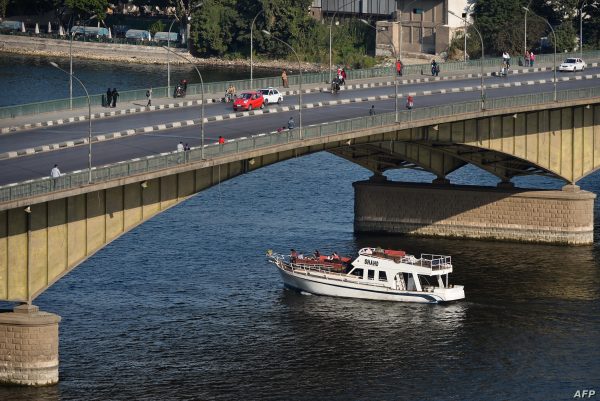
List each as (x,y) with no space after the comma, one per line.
(75,158)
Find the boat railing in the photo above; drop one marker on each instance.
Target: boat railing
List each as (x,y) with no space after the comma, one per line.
(435,262)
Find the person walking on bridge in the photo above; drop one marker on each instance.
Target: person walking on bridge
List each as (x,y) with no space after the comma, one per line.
(108,97)
(114,96)
(55,174)
(149,96)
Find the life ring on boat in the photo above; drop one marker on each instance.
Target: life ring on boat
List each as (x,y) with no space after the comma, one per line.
(397,259)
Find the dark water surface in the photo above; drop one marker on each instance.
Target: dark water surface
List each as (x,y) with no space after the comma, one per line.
(186,307)
(29,79)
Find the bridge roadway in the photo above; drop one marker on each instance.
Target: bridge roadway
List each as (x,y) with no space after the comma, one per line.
(75,158)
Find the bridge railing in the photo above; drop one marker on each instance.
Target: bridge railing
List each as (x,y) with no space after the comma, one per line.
(163,161)
(218,88)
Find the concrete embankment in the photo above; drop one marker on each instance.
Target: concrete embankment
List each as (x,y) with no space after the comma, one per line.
(125,53)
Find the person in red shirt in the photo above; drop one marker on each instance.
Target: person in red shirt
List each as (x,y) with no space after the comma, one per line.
(221,140)
(399,68)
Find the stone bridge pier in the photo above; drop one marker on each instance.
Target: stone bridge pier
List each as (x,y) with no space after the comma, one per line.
(503,213)
(28,346)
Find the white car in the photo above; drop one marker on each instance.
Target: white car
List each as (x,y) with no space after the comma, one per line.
(271,95)
(572,64)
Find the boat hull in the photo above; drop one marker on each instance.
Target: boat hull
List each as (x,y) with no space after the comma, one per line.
(321,285)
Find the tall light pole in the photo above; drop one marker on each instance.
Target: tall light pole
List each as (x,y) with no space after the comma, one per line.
(396,74)
(482,57)
(252,46)
(330,27)
(525,40)
(71,60)
(581,28)
(53,64)
(299,69)
(169,59)
(202,101)
(554,35)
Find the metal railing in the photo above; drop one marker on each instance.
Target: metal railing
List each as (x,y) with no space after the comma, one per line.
(154,163)
(217,89)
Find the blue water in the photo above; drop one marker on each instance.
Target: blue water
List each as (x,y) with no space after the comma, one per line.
(186,307)
(29,79)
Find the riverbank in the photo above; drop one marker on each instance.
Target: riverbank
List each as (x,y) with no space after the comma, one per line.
(137,54)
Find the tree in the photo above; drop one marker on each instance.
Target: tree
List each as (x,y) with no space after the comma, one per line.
(87,8)
(3,7)
(495,19)
(214,27)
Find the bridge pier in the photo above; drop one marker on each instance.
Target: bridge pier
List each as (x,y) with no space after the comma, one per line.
(28,346)
(501,213)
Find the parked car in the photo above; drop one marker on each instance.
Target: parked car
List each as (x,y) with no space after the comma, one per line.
(572,64)
(249,101)
(271,95)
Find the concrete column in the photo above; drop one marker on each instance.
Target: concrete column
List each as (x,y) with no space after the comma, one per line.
(28,347)
(502,213)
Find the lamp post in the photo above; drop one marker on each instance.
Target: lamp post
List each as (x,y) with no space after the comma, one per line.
(202,100)
(53,64)
(299,69)
(330,27)
(252,46)
(71,60)
(581,28)
(482,57)
(169,59)
(525,40)
(554,35)
(395,75)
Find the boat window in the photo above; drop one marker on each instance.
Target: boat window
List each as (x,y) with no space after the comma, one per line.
(371,274)
(358,272)
(382,276)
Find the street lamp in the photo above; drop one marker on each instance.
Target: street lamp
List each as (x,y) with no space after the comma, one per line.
(581,28)
(525,42)
(169,59)
(71,60)
(554,35)
(202,101)
(299,69)
(330,27)
(482,57)
(395,75)
(252,46)
(53,64)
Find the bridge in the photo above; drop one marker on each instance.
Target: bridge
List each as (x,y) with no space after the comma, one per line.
(48,227)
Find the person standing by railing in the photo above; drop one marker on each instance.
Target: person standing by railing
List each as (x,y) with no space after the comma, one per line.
(55,174)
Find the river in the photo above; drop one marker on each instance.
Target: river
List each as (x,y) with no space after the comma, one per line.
(186,307)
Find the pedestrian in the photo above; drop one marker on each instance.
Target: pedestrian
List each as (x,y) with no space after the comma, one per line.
(55,174)
(149,96)
(531,59)
(291,123)
(186,147)
(343,77)
(221,140)
(180,147)
(284,79)
(410,102)
(433,67)
(372,110)
(527,58)
(186,150)
(437,69)
(115,95)
(399,68)
(108,97)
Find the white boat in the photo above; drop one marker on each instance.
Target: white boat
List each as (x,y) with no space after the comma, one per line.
(377,274)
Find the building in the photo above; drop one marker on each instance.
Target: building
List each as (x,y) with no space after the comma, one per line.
(415,26)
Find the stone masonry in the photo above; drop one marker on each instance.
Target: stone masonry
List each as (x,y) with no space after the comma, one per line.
(28,347)
(544,216)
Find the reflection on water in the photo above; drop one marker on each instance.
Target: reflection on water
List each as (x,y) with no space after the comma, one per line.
(187,307)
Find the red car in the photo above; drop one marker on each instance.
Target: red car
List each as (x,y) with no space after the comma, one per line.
(249,101)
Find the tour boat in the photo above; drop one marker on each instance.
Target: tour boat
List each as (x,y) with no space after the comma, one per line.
(378,274)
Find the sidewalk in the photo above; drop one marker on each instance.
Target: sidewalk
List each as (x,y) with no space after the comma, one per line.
(11,125)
